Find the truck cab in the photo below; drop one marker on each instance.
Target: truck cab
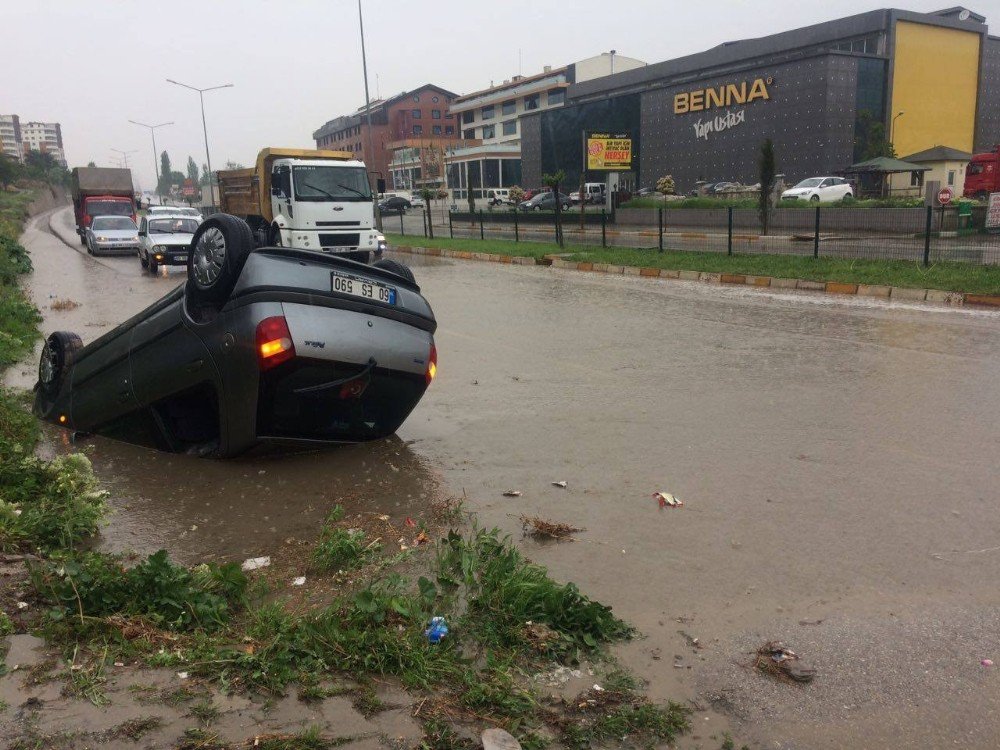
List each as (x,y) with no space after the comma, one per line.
(982,176)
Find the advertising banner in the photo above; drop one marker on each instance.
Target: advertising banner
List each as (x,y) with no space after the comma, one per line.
(993,213)
(609,151)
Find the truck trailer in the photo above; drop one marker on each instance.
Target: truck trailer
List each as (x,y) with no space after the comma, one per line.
(101,191)
(312,200)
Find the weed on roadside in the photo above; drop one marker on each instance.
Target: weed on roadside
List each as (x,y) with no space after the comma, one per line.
(310,739)
(204,711)
(201,739)
(134,729)
(339,548)
(599,716)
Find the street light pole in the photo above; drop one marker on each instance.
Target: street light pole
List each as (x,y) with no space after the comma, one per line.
(124,156)
(204,127)
(156,157)
(368,116)
(892,129)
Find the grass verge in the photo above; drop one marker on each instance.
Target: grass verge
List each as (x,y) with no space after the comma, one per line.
(952,277)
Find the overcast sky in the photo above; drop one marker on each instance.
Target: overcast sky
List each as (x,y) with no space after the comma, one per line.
(94,64)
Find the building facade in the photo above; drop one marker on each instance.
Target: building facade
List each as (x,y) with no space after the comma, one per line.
(492,117)
(822,93)
(45,137)
(10,137)
(421,113)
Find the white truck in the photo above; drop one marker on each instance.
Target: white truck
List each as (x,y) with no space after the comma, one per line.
(312,200)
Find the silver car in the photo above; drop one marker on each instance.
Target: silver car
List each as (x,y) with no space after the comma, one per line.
(164,240)
(265,346)
(112,235)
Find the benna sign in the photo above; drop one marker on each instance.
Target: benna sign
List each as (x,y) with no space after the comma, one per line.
(609,151)
(727,95)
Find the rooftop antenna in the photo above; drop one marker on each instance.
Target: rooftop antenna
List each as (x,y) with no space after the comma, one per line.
(378,88)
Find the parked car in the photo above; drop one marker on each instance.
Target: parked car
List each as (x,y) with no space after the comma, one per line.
(190,211)
(646,192)
(819,189)
(721,187)
(394,205)
(266,346)
(164,240)
(112,235)
(498,197)
(545,202)
(416,201)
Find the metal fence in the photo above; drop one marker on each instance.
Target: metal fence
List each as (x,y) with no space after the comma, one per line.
(923,235)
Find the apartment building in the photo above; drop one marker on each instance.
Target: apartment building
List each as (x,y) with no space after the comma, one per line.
(45,137)
(10,137)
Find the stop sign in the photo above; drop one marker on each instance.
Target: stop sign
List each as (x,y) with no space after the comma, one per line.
(945,195)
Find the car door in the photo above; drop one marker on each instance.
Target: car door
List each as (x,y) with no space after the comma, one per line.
(827,191)
(143,238)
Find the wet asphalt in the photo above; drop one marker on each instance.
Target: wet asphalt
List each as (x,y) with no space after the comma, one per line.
(837,461)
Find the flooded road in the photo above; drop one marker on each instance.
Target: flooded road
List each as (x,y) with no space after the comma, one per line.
(837,460)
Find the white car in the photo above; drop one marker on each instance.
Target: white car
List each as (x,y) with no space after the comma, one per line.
(417,202)
(164,240)
(826,189)
(111,235)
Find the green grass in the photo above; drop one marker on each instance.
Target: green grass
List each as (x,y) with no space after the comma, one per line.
(946,276)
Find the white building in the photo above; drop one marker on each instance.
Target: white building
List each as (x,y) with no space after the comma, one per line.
(45,137)
(491,116)
(10,137)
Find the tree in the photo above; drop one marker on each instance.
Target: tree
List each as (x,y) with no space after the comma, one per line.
(870,141)
(165,174)
(234,165)
(516,194)
(10,170)
(428,195)
(91,164)
(766,172)
(552,181)
(192,171)
(665,185)
(204,173)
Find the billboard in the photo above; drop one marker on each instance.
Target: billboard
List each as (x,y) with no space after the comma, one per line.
(609,151)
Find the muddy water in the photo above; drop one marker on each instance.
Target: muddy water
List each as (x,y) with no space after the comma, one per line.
(836,459)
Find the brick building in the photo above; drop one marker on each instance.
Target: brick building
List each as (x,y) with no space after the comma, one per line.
(421,113)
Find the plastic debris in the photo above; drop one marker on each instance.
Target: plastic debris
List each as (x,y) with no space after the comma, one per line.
(182,675)
(512,493)
(119,664)
(22,605)
(559,484)
(437,630)
(778,660)
(666,500)
(299,581)
(410,522)
(987,662)
(499,739)
(254,563)
(422,538)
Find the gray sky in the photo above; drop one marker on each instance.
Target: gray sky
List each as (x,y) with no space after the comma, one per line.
(296,63)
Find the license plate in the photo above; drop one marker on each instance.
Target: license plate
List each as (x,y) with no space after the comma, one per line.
(363,288)
(182,259)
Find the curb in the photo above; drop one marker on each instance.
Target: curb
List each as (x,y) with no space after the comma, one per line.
(938,296)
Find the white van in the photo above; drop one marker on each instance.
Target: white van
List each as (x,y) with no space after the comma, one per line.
(498,196)
(594,192)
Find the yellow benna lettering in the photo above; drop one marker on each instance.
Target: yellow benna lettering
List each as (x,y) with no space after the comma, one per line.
(720,96)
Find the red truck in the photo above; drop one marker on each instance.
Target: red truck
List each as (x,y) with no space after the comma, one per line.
(982,176)
(101,191)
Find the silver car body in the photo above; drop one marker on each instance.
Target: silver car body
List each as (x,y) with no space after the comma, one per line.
(102,239)
(171,246)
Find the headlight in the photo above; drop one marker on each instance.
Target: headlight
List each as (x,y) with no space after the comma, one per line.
(158,248)
(102,239)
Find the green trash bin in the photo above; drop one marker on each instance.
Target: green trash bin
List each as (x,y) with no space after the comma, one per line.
(964,214)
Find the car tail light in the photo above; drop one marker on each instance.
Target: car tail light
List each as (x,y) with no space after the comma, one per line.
(274,342)
(432,364)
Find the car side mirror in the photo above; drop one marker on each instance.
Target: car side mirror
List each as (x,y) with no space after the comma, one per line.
(141,233)
(276,192)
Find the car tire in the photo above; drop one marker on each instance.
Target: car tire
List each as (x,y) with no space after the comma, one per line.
(58,355)
(154,267)
(395,267)
(83,239)
(143,261)
(847,195)
(218,251)
(90,250)
(536,208)
(565,207)
(814,198)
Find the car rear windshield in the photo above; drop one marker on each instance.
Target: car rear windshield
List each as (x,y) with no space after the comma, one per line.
(811,182)
(331,184)
(109,208)
(173,226)
(108,223)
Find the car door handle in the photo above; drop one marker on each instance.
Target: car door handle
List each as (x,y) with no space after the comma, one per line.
(195,365)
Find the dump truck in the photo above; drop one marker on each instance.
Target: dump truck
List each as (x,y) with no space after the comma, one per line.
(101,191)
(311,200)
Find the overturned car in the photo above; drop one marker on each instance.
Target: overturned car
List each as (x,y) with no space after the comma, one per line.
(273,345)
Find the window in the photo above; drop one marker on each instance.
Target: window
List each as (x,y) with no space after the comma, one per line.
(418,130)
(435,99)
(557,96)
(415,113)
(449,130)
(449,116)
(487,112)
(470,133)
(510,127)
(951,177)
(531,102)
(917,179)
(509,107)
(416,98)
(436,130)
(489,131)
(468,116)
(435,114)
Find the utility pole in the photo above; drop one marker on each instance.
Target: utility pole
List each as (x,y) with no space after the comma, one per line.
(156,157)
(204,127)
(123,156)
(368,116)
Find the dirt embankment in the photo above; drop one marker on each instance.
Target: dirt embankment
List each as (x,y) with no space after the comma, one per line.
(48,197)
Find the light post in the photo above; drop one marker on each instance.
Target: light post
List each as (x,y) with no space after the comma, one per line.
(156,157)
(892,129)
(368,116)
(123,156)
(201,96)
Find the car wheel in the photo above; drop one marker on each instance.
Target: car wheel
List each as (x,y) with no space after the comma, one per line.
(565,207)
(58,355)
(83,239)
(536,208)
(218,251)
(814,197)
(143,260)
(154,267)
(395,267)
(848,194)
(90,249)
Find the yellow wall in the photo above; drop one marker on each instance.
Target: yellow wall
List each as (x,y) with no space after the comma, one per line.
(935,78)
(900,183)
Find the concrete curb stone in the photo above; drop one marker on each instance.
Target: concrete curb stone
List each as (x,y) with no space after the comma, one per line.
(874,290)
(784,283)
(900,292)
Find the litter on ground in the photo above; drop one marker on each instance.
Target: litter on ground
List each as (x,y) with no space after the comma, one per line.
(299,581)
(539,527)
(253,563)
(666,500)
(775,659)
(512,493)
(499,739)
(559,484)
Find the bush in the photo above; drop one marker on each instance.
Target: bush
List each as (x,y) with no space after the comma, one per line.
(665,185)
